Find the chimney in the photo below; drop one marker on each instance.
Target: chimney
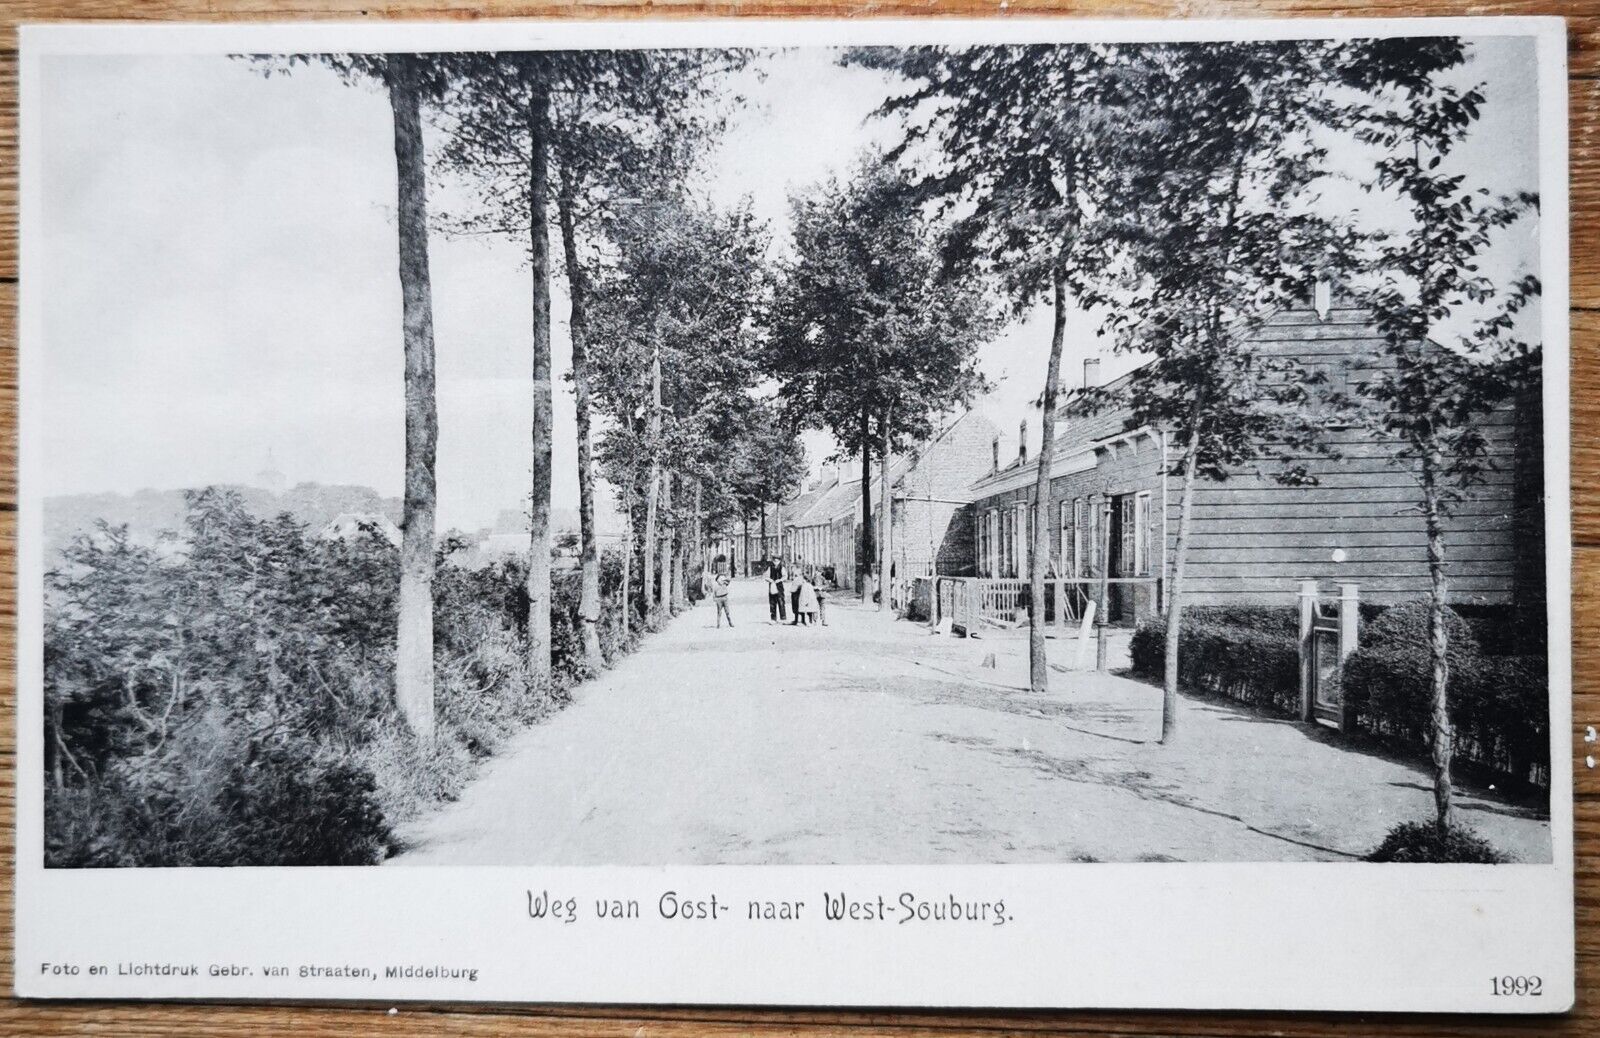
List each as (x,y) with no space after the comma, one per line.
(1322,298)
(1091,373)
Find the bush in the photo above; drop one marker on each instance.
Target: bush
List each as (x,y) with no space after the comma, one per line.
(227,698)
(1407,625)
(1256,665)
(280,801)
(1432,843)
(1499,704)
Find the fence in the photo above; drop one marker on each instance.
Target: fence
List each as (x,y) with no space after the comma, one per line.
(970,602)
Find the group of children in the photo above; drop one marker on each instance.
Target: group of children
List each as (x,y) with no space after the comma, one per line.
(798,593)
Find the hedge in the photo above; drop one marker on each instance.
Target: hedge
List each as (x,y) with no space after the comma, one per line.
(1498,703)
(1255,665)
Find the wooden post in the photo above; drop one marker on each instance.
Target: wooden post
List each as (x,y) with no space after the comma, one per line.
(1349,640)
(1308,662)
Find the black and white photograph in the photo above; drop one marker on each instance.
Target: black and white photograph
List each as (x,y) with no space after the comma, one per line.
(933,452)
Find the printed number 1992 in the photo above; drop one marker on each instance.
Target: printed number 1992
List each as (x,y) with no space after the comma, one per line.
(1509,985)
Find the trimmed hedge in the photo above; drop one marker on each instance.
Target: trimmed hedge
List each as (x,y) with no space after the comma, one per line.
(1498,704)
(1255,665)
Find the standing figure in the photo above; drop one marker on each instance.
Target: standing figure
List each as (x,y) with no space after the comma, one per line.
(719,593)
(775,594)
(806,602)
(792,585)
(822,597)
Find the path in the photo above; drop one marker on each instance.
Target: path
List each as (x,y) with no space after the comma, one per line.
(871,741)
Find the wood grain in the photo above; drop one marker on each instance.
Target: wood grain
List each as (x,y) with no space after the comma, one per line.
(225,1021)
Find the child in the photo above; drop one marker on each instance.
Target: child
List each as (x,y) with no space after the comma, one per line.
(806,602)
(719,593)
(822,598)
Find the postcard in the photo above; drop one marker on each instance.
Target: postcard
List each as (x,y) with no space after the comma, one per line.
(994,513)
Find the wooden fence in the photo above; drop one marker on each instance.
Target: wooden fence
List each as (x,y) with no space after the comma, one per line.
(971,602)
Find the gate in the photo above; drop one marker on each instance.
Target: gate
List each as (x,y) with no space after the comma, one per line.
(1328,634)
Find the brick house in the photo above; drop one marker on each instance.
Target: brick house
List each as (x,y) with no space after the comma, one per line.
(932,523)
(1254,539)
(929,488)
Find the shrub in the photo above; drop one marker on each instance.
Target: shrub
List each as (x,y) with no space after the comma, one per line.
(230,701)
(1432,843)
(288,804)
(1251,664)
(1406,625)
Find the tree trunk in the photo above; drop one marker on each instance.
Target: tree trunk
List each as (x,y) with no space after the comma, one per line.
(864,561)
(766,549)
(589,550)
(1038,664)
(699,532)
(1180,549)
(53,744)
(1438,642)
(627,560)
(885,515)
(413,679)
(652,493)
(669,601)
(746,545)
(539,261)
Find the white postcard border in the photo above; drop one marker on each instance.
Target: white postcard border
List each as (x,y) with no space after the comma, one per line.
(1245,936)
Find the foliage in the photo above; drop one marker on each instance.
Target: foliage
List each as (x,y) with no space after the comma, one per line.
(862,323)
(1499,704)
(1251,654)
(227,695)
(1449,344)
(1255,665)
(687,287)
(1433,843)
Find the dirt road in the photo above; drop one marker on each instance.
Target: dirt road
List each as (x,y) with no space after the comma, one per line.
(871,741)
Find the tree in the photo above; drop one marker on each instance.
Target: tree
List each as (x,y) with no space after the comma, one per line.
(768,463)
(499,125)
(612,124)
(1218,231)
(676,358)
(867,336)
(1449,331)
(409,79)
(1015,139)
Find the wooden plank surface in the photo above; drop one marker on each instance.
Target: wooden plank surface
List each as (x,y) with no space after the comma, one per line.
(25,1019)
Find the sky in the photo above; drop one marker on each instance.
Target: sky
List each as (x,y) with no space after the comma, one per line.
(220,278)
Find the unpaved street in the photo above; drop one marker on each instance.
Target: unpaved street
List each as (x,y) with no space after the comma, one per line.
(872,741)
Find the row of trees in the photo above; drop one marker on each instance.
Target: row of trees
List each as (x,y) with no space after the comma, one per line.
(592,149)
(1174,189)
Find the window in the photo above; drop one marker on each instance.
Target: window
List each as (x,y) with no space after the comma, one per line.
(1127,552)
(977,546)
(1141,535)
(1025,524)
(989,547)
(1004,519)
(1092,550)
(1064,538)
(1078,562)
(1011,542)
